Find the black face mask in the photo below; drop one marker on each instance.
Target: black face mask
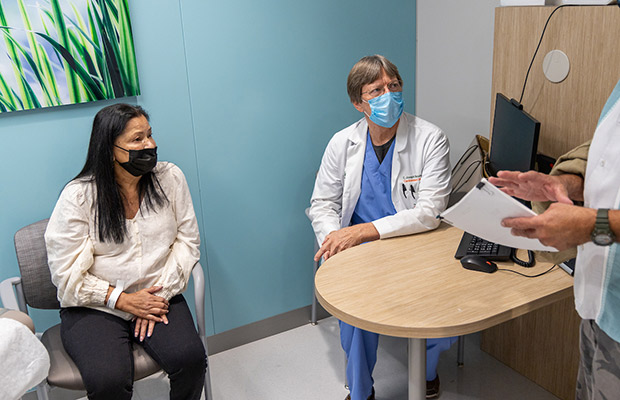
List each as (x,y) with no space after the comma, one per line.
(140,161)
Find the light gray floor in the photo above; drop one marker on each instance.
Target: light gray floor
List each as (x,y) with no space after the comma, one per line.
(307,363)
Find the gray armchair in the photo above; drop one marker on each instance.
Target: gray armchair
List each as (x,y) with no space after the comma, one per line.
(35,289)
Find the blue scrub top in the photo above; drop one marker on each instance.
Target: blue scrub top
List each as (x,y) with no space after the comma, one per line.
(375,199)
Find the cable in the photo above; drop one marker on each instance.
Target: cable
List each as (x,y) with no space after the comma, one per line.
(528,276)
(486,165)
(537,47)
(541,38)
(527,264)
(464,155)
(456,189)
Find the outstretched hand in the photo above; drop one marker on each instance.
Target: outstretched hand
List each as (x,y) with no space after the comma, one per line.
(532,186)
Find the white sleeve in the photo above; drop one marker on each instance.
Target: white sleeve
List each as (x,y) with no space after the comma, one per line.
(185,251)
(433,193)
(70,252)
(326,202)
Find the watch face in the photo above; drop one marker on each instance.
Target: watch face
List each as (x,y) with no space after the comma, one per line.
(603,239)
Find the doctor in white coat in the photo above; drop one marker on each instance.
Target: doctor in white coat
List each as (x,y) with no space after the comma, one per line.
(386,175)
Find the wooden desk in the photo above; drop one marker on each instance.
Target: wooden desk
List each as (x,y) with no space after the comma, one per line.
(413,287)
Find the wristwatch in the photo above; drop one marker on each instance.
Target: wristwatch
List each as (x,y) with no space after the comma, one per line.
(602,234)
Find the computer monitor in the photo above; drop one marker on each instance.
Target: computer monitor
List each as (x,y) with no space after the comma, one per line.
(515,138)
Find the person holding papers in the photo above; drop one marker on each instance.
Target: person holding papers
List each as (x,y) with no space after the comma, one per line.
(386,175)
(594,229)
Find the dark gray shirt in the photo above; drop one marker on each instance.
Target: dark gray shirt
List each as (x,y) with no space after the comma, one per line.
(382,150)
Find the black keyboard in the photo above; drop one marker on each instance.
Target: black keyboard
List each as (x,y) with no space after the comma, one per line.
(473,245)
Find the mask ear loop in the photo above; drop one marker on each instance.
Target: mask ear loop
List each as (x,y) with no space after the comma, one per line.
(114,158)
(366,101)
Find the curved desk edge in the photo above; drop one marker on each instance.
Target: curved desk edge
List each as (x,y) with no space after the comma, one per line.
(447,331)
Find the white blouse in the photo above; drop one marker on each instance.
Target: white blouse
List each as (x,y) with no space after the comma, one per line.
(160,248)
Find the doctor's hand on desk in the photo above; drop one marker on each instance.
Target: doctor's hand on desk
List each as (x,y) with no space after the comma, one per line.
(344,238)
(535,186)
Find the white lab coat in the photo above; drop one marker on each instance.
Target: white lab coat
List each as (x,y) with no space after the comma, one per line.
(420,161)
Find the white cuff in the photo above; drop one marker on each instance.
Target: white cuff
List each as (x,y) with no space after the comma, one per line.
(116,293)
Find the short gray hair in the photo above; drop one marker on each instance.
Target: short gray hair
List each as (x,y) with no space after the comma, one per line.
(367,70)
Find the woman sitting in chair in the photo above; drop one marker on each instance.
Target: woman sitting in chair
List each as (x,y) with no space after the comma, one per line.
(121,244)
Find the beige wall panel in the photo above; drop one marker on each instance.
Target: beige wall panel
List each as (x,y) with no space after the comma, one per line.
(568,110)
(542,345)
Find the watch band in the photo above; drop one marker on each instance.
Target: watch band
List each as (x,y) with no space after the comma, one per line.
(602,234)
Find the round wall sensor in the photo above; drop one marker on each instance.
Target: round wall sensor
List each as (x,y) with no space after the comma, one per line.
(556,66)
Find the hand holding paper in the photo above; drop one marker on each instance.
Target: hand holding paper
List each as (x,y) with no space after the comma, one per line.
(561,226)
(481,211)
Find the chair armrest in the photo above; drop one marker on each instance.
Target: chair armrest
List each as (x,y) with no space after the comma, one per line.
(12,295)
(199,298)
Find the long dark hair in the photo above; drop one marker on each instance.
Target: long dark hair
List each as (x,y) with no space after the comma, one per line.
(108,124)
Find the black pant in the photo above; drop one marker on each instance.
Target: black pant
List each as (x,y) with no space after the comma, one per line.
(100,344)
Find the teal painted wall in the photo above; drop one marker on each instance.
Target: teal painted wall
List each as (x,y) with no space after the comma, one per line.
(268,89)
(243,96)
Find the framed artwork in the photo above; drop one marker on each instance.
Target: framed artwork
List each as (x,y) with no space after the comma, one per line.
(55,52)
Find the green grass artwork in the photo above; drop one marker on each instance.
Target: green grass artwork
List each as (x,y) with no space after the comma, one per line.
(55,52)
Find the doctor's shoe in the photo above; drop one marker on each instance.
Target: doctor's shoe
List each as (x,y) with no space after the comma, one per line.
(371,397)
(432,388)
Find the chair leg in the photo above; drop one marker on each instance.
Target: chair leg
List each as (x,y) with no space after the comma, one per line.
(208,391)
(43,391)
(346,381)
(199,298)
(314,300)
(313,318)
(460,359)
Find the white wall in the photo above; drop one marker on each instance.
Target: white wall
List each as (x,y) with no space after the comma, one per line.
(454,67)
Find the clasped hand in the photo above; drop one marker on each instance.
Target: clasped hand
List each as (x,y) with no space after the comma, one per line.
(147,307)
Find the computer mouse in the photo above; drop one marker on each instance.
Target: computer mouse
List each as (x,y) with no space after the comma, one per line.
(477,263)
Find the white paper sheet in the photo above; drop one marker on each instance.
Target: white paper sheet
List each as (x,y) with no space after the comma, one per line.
(481,211)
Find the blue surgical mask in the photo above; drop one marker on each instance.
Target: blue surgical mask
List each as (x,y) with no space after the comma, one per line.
(386,109)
